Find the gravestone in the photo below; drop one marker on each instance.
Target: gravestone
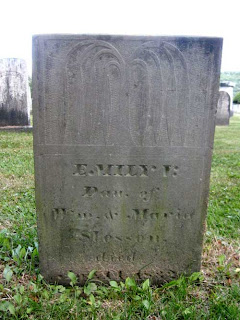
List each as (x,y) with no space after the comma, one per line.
(123,137)
(15,98)
(228,86)
(223,109)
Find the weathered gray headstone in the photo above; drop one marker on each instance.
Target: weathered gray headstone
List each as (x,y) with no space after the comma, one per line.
(15,98)
(228,87)
(123,137)
(223,109)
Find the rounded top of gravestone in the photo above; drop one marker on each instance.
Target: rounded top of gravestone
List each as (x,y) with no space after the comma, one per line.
(224,95)
(227,84)
(13,65)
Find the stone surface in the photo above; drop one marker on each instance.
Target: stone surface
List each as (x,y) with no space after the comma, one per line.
(223,109)
(123,137)
(15,97)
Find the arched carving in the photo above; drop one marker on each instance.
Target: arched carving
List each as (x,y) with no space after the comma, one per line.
(167,102)
(140,100)
(94,80)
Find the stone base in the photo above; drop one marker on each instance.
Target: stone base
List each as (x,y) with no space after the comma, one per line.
(17,128)
(222,122)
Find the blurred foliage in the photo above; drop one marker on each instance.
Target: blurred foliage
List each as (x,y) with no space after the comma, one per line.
(234,77)
(236,98)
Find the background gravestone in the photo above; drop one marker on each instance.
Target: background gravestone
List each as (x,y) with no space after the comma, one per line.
(223,109)
(228,86)
(15,98)
(123,137)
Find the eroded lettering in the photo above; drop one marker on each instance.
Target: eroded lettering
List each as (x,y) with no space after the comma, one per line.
(84,235)
(95,236)
(148,195)
(113,257)
(169,170)
(92,191)
(58,213)
(110,170)
(81,170)
(133,214)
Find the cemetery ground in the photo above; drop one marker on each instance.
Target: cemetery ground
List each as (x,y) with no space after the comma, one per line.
(214,293)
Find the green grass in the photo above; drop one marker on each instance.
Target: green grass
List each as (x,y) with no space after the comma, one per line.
(224,202)
(212,294)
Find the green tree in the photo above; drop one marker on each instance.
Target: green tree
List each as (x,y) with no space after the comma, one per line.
(236,99)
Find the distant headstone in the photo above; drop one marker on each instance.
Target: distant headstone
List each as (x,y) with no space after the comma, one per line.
(123,137)
(223,109)
(228,86)
(15,98)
